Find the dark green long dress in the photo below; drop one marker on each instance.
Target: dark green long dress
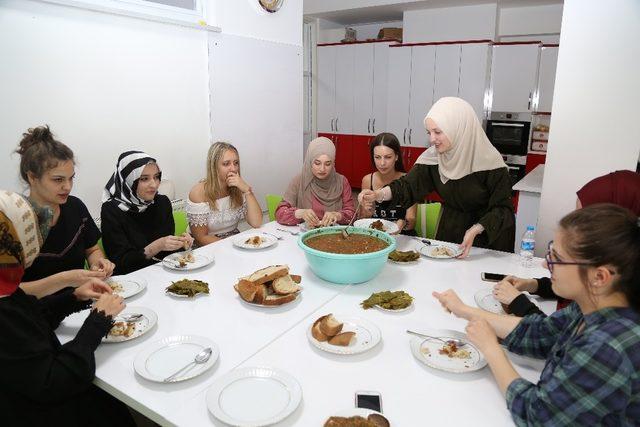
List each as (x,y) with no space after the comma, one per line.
(481,197)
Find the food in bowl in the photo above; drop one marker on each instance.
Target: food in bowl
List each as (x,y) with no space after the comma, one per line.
(389,300)
(377,225)
(404,256)
(335,243)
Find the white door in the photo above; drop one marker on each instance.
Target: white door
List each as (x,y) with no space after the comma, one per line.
(447,73)
(547,77)
(398,93)
(363,88)
(423,60)
(513,77)
(380,67)
(344,89)
(474,76)
(326,83)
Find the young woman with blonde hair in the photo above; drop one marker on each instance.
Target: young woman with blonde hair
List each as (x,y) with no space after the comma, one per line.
(218,203)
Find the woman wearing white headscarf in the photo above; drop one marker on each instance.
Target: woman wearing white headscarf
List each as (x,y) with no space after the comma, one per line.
(467,172)
(137,222)
(43,382)
(318,195)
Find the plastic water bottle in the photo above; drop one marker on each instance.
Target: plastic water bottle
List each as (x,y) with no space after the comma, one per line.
(527,246)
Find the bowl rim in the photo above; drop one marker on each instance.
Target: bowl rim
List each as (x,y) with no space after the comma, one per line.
(360,230)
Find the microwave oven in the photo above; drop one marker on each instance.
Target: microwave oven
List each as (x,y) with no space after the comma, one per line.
(510,132)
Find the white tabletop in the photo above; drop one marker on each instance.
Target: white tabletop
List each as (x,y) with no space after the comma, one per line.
(254,336)
(532,182)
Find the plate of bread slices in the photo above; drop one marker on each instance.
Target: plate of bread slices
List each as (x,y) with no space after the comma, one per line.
(361,417)
(343,334)
(271,286)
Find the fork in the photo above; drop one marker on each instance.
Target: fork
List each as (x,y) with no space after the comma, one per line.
(133,317)
(458,343)
(175,264)
(425,241)
(272,235)
(293,233)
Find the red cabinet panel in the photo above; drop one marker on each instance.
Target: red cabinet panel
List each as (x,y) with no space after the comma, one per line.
(344,153)
(534,160)
(361,164)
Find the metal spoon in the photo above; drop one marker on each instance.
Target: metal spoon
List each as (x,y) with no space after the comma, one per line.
(345,233)
(201,357)
(458,343)
(133,317)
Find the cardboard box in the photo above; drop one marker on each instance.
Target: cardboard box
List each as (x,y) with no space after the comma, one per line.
(390,33)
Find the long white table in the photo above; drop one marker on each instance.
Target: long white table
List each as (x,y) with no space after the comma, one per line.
(255,336)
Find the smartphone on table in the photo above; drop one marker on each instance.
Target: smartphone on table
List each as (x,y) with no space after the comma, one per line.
(492,277)
(369,400)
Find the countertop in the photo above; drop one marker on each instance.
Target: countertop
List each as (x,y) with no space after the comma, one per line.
(532,182)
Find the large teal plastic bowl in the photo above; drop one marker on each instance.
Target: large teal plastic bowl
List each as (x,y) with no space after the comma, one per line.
(346,268)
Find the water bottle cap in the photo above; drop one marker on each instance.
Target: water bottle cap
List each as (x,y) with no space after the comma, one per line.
(530,228)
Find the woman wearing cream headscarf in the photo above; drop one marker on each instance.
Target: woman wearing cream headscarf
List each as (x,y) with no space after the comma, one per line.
(319,195)
(41,381)
(469,175)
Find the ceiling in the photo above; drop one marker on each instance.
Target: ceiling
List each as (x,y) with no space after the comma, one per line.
(393,12)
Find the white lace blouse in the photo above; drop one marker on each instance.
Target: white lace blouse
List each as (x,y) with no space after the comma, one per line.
(221,222)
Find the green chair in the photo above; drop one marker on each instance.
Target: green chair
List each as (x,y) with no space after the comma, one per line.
(180,221)
(427,218)
(273,200)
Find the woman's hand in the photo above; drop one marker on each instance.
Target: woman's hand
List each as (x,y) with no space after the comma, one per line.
(235,180)
(505,292)
(452,303)
(469,237)
(110,304)
(104,265)
(170,243)
(401,223)
(187,240)
(309,216)
(92,289)
(77,277)
(528,285)
(481,334)
(330,218)
(367,199)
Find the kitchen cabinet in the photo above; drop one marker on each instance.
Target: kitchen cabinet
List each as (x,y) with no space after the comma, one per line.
(335,89)
(326,84)
(474,76)
(423,60)
(410,155)
(547,77)
(398,91)
(345,74)
(370,88)
(514,71)
(447,71)
(361,159)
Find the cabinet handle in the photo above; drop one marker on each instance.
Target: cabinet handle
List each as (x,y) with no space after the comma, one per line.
(337,124)
(529,103)
(410,130)
(404,136)
(374,125)
(369,125)
(332,125)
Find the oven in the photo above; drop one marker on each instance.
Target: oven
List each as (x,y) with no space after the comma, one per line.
(517,166)
(509,132)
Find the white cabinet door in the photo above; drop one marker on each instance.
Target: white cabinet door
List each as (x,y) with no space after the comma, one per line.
(380,67)
(398,93)
(344,89)
(547,77)
(513,77)
(447,72)
(363,88)
(423,60)
(326,83)
(474,76)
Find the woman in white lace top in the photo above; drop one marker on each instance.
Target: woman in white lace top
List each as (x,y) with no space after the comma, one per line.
(218,203)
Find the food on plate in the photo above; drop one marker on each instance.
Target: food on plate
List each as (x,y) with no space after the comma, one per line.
(450,349)
(442,251)
(387,299)
(184,258)
(328,328)
(377,225)
(188,287)
(373,420)
(269,286)
(123,329)
(254,241)
(115,286)
(404,256)
(335,243)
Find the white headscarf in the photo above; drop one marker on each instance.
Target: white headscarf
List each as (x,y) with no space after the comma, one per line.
(470,150)
(121,184)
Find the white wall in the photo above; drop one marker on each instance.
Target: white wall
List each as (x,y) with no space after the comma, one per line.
(595,104)
(452,23)
(530,20)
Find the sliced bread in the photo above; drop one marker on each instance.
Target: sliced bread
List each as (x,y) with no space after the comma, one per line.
(342,339)
(278,299)
(296,278)
(246,289)
(260,295)
(330,326)
(284,285)
(316,332)
(267,274)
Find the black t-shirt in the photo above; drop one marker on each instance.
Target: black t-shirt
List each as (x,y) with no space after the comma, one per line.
(65,247)
(387,210)
(125,234)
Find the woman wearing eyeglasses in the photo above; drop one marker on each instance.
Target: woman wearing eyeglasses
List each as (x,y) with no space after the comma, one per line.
(591,347)
(621,188)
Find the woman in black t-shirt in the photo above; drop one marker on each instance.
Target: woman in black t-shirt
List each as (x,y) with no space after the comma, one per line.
(386,157)
(48,167)
(137,222)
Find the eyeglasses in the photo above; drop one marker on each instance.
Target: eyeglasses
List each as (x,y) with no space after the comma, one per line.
(551,263)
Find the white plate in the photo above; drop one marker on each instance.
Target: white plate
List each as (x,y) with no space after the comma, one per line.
(266,241)
(367,336)
(427,250)
(485,300)
(143,325)
(389,227)
(163,358)
(270,306)
(130,287)
(400,310)
(253,396)
(171,261)
(426,350)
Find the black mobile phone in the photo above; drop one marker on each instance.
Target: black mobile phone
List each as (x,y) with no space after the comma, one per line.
(492,277)
(369,400)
